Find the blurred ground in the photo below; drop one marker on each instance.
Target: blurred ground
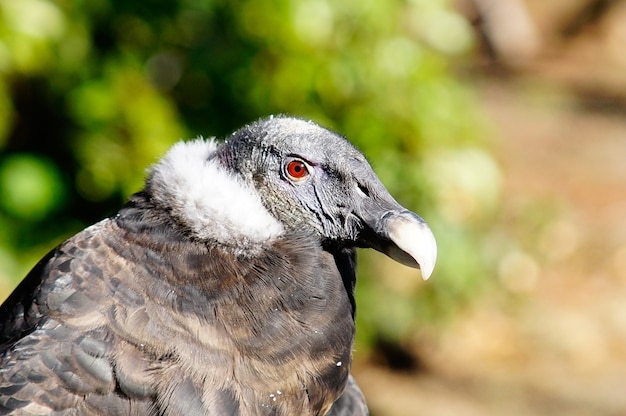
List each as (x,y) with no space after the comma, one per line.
(550,339)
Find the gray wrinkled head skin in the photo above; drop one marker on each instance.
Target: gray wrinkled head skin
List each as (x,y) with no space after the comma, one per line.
(341,198)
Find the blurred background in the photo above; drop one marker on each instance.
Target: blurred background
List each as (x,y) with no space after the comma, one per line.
(502,122)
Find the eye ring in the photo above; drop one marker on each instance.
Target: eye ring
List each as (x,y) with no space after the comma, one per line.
(296,169)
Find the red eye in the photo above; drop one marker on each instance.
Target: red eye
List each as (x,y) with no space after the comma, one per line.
(296,170)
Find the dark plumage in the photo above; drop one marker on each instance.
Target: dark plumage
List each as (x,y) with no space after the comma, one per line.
(225,287)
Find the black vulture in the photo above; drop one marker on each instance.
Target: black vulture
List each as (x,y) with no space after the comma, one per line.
(224,287)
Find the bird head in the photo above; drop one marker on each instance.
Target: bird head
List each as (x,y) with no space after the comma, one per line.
(313,180)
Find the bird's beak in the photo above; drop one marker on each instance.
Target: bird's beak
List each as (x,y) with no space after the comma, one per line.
(399,233)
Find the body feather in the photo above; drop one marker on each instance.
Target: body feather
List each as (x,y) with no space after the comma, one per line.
(194,331)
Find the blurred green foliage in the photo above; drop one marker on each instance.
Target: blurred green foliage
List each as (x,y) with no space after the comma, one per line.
(93,92)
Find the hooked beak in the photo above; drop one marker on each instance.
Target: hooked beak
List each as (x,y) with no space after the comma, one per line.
(399,233)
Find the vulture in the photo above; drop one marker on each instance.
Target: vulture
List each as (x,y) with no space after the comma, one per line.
(224,287)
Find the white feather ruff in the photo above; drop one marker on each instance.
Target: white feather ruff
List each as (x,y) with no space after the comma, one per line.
(215,204)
